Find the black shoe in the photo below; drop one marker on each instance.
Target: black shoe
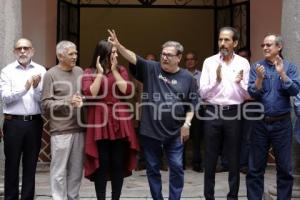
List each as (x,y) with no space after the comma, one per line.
(244,170)
(140,166)
(221,169)
(164,167)
(197,168)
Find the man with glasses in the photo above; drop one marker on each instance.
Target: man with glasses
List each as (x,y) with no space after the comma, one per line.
(191,62)
(223,88)
(167,110)
(272,82)
(20,88)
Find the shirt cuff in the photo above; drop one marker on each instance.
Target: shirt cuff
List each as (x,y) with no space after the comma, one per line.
(286,84)
(22,92)
(256,91)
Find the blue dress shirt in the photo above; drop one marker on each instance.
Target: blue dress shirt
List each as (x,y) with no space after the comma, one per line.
(275,93)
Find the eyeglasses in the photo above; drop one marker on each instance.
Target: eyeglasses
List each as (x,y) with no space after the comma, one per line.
(25,48)
(266,44)
(169,56)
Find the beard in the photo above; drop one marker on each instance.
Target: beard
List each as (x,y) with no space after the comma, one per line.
(224,52)
(24,60)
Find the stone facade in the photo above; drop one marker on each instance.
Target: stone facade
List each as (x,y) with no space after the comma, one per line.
(10,30)
(290,30)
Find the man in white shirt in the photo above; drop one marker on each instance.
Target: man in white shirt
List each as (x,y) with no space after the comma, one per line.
(223,88)
(20,89)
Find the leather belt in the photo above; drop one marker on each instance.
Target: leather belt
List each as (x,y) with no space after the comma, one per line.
(22,117)
(269,119)
(228,107)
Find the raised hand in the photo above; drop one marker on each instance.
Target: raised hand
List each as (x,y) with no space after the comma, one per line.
(114,61)
(218,72)
(279,65)
(279,68)
(98,66)
(113,39)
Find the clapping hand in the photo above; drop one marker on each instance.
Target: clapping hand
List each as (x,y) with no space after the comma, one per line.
(260,71)
(28,83)
(76,100)
(239,76)
(36,80)
(218,72)
(33,81)
(279,65)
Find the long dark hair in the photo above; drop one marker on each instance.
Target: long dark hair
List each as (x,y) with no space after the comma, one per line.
(102,49)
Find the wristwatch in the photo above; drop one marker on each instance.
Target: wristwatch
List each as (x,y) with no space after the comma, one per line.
(187,124)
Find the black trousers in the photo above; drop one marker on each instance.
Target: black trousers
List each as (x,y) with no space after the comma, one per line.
(22,139)
(222,132)
(196,135)
(112,160)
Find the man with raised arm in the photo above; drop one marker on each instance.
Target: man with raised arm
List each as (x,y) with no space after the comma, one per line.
(168,102)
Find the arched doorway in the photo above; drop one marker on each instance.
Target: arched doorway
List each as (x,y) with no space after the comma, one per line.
(234,13)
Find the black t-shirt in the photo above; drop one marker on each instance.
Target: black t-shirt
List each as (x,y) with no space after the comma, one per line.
(165,100)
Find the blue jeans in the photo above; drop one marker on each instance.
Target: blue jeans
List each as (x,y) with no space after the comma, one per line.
(279,135)
(153,152)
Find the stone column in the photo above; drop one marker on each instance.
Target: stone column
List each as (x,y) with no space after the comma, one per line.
(10,30)
(290,31)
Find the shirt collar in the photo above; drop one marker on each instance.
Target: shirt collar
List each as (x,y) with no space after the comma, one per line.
(221,57)
(17,65)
